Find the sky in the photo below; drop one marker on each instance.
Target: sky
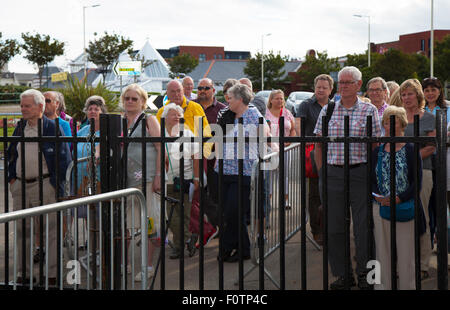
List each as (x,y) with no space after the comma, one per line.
(295,26)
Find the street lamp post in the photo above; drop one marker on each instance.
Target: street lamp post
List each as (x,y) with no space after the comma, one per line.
(432,41)
(262,59)
(368,47)
(84,34)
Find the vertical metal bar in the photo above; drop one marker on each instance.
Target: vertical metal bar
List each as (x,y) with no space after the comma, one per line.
(220,146)
(347,203)
(324,201)
(182,189)
(101,237)
(46,251)
(282,204)
(303,201)
(6,196)
(133,236)
(240,148)
(393,221)
(441,207)
(417,203)
(60,246)
(163,204)
(58,181)
(23,183)
(144,178)
(89,252)
(260,207)
(201,257)
(31,252)
(15,256)
(124,262)
(111,242)
(41,201)
(370,240)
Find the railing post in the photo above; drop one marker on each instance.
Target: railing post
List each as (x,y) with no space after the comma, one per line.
(441,207)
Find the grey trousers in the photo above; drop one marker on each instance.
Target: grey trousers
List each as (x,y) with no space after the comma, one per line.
(336,218)
(32,200)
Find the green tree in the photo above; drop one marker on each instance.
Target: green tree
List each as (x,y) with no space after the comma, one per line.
(105,51)
(76,92)
(442,59)
(273,65)
(316,65)
(8,49)
(396,65)
(40,50)
(184,63)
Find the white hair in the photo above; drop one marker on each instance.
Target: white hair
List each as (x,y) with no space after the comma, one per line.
(356,74)
(172,106)
(38,97)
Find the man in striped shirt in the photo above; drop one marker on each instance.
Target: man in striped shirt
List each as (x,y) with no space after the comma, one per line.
(350,81)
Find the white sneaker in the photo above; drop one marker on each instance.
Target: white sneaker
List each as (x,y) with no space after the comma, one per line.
(150,273)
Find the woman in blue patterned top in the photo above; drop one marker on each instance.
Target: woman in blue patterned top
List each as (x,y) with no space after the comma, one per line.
(405,189)
(239,97)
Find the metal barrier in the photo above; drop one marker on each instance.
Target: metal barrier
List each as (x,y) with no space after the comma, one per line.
(76,274)
(271,197)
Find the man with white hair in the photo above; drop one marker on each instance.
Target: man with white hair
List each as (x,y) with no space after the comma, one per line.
(32,105)
(188,86)
(349,81)
(378,93)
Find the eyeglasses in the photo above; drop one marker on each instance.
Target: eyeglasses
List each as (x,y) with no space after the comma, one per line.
(134,99)
(48,100)
(429,79)
(346,82)
(373,90)
(203,88)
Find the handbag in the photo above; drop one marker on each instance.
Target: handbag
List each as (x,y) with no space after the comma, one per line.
(176,180)
(310,167)
(404,211)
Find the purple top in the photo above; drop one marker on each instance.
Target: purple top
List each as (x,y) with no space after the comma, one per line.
(212,111)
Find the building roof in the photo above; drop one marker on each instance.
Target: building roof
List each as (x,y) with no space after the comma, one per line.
(221,70)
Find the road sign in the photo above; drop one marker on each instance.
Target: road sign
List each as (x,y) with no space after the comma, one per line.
(59,77)
(127,68)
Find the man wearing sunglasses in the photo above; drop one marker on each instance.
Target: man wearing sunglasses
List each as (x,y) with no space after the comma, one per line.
(51,107)
(206,98)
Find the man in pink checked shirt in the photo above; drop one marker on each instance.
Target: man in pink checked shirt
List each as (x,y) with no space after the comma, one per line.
(349,81)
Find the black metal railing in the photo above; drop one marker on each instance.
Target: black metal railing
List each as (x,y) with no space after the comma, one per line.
(113,141)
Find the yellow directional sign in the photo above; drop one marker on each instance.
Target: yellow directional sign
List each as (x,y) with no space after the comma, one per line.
(127,68)
(58,77)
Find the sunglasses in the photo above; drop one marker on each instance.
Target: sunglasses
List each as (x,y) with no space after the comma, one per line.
(48,100)
(134,99)
(203,88)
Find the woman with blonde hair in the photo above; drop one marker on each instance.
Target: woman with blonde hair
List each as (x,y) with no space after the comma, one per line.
(413,101)
(276,109)
(404,194)
(134,101)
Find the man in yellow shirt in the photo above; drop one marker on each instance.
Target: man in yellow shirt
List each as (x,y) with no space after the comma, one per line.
(191,109)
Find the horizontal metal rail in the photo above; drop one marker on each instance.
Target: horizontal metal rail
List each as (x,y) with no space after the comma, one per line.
(65,205)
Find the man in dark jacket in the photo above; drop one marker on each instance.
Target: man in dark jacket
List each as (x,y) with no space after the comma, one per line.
(32,104)
(310,110)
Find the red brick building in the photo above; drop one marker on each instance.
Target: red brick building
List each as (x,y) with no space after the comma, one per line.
(204,53)
(418,42)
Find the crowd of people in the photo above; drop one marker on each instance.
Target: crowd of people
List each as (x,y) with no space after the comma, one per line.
(382,100)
